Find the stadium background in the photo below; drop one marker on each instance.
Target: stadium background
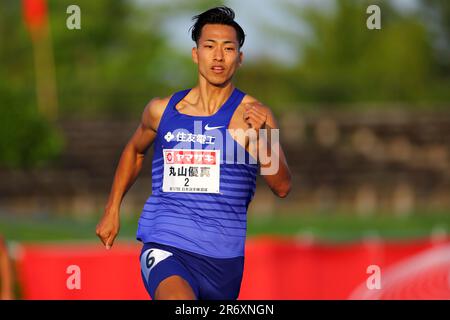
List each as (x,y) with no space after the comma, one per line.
(365,123)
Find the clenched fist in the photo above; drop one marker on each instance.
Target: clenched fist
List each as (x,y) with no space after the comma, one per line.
(108,227)
(255,115)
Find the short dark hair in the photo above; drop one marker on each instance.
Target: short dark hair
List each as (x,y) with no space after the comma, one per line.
(218,15)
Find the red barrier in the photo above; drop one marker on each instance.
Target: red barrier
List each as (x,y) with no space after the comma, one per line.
(275,268)
(114,274)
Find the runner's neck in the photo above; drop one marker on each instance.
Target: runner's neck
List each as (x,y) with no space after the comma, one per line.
(208,99)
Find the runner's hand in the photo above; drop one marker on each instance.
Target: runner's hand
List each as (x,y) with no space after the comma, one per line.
(255,115)
(108,227)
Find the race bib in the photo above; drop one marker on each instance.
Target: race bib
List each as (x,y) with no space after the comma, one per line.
(187,170)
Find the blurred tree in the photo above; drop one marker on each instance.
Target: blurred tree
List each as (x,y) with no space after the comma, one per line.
(436,16)
(269,81)
(26,137)
(107,65)
(343,61)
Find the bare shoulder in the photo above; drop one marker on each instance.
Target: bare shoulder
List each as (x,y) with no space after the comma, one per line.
(155,108)
(249,100)
(262,108)
(153,112)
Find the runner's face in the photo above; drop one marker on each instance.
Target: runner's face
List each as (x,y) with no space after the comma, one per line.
(217,53)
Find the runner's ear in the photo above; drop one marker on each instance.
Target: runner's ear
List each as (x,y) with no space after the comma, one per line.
(195,55)
(241,57)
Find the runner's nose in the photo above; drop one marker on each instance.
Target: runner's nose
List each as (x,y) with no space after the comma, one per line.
(218,54)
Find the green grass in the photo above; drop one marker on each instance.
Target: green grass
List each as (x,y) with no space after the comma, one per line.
(325,227)
(346,227)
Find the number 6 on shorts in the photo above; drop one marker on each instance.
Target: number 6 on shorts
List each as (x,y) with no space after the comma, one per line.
(150,258)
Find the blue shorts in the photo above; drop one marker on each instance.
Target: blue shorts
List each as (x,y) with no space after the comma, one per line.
(210,278)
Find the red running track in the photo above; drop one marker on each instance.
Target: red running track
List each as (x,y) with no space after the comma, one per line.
(275,268)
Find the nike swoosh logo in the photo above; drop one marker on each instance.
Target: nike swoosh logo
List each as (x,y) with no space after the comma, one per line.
(207,127)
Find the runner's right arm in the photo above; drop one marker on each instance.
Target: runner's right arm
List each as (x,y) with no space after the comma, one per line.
(6,281)
(129,166)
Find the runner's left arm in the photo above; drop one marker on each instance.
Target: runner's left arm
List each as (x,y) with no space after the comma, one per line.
(274,168)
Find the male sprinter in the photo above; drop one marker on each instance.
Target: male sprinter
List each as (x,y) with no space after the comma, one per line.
(193,226)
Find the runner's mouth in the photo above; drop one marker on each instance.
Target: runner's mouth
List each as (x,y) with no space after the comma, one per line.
(217,69)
